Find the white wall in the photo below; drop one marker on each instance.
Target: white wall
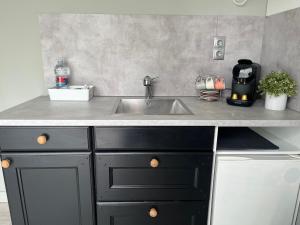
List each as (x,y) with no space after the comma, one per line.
(277,6)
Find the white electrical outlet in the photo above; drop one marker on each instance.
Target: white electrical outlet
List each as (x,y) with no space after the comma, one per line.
(219,48)
(218,54)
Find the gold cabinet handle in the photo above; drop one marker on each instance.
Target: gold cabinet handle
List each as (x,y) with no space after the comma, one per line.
(153,213)
(42,139)
(154,163)
(5,163)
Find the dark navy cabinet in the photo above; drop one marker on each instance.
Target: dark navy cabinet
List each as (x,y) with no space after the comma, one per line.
(129,176)
(107,175)
(154,138)
(153,175)
(25,139)
(49,188)
(138,213)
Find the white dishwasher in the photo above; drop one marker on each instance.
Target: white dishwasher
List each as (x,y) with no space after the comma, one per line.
(256,190)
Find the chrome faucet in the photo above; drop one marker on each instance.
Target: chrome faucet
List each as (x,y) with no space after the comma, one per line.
(148,81)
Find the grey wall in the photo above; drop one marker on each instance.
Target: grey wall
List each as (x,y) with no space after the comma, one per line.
(115,52)
(281,47)
(281,51)
(21,74)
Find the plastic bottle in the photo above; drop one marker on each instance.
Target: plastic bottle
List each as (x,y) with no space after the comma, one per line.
(62,73)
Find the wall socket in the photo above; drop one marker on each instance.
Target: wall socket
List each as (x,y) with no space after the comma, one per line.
(219,48)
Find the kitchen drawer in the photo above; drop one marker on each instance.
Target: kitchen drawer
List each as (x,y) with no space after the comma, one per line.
(50,138)
(168,213)
(149,138)
(131,177)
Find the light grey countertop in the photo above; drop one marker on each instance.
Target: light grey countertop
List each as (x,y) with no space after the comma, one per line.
(99,112)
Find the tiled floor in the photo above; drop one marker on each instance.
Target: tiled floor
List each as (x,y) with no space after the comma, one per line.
(4,214)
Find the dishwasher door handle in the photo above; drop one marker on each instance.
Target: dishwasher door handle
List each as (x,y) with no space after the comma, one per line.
(259,157)
(294,156)
(234,158)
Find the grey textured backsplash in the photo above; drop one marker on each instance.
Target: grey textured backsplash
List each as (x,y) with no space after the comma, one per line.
(281,47)
(115,52)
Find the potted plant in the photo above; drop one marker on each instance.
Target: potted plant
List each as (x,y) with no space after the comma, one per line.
(277,86)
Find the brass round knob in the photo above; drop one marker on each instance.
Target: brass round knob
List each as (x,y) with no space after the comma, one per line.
(42,139)
(154,163)
(5,163)
(153,212)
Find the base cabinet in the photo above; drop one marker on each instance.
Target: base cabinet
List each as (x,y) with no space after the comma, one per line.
(49,188)
(256,190)
(163,184)
(144,175)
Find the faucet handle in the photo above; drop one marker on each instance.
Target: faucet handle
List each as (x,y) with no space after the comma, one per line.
(148,80)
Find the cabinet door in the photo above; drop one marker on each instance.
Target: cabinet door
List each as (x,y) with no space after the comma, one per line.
(49,188)
(260,190)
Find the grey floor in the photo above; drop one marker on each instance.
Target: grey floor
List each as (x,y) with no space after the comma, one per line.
(4,214)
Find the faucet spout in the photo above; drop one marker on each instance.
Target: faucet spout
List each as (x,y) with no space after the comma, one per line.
(148,94)
(148,81)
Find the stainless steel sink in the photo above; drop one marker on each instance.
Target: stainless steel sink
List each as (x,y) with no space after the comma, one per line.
(152,107)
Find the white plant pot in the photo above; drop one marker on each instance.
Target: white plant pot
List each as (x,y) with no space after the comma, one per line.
(276,102)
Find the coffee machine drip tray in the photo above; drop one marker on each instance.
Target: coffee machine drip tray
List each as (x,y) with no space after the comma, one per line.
(242,138)
(239,102)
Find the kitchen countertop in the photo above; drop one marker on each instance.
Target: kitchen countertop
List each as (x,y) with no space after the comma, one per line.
(99,112)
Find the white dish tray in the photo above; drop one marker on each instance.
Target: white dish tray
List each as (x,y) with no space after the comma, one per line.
(72,93)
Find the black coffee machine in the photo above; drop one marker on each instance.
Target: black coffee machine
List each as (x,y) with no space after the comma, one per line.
(244,83)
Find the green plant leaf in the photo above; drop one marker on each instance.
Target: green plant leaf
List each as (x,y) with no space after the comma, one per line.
(278,83)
